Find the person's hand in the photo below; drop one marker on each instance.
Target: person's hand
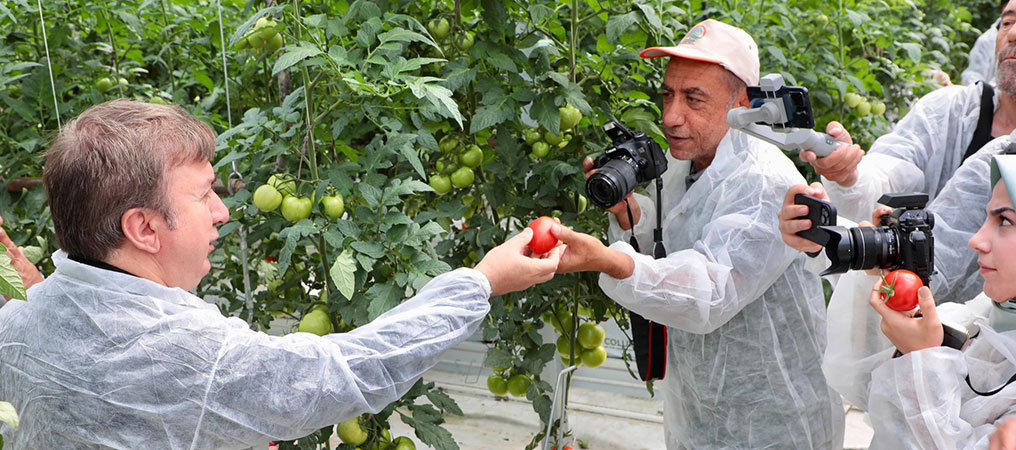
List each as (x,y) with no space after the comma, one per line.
(789,213)
(512,266)
(909,333)
(619,210)
(583,252)
(29,273)
(1004,437)
(840,166)
(941,77)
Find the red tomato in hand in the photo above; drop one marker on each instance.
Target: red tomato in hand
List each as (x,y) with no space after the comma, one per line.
(899,290)
(543,239)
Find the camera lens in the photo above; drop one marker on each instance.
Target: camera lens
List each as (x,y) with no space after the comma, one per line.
(873,247)
(612,183)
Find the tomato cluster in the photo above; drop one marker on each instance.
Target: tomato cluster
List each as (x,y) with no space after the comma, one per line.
(862,106)
(352,432)
(265,37)
(455,167)
(590,351)
(280,190)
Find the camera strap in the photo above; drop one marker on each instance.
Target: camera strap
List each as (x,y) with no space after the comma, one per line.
(982,134)
(649,339)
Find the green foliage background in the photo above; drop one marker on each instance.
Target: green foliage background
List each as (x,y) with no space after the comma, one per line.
(361,96)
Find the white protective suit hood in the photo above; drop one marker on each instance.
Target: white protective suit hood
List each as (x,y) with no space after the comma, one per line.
(745,319)
(100,359)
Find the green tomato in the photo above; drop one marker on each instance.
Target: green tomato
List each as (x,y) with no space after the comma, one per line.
(273,43)
(448,144)
(156,100)
(122,81)
(283,182)
(262,22)
(316,322)
(518,385)
(533,136)
(583,203)
(591,335)
(267,198)
(439,28)
(472,158)
(103,84)
(570,116)
(295,209)
(254,41)
(441,184)
(351,433)
(463,177)
(878,108)
(594,357)
(551,138)
(541,149)
(564,321)
(242,44)
(851,99)
(564,345)
(333,206)
(404,443)
(863,108)
(465,41)
(497,385)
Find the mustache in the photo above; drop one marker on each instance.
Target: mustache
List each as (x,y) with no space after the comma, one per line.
(1008,52)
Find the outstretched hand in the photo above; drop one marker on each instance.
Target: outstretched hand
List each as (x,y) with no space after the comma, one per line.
(512,266)
(29,273)
(583,252)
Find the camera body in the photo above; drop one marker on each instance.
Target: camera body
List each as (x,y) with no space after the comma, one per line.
(903,240)
(633,158)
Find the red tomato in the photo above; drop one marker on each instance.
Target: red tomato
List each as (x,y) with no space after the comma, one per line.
(543,239)
(899,290)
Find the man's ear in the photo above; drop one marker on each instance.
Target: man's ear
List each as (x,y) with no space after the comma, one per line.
(742,99)
(141,227)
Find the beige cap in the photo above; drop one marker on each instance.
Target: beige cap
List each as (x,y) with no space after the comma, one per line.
(715,42)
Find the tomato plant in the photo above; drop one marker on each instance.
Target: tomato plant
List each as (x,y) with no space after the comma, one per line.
(543,240)
(898,289)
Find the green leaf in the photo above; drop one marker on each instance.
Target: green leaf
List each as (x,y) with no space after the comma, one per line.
(913,50)
(294,55)
(538,12)
(617,25)
(11,283)
(490,115)
(372,249)
(8,415)
(651,16)
(403,35)
(501,61)
(437,95)
(602,46)
(546,113)
(432,435)
(371,194)
(291,236)
(383,296)
(343,273)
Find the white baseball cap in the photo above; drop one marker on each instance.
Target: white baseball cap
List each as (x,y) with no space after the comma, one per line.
(715,42)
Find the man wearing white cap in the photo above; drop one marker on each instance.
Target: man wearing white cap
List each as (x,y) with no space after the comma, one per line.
(745,321)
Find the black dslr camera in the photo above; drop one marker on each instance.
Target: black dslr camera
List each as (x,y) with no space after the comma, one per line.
(903,239)
(632,159)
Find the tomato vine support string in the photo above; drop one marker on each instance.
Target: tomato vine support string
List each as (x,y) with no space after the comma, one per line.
(558,394)
(49,64)
(248,301)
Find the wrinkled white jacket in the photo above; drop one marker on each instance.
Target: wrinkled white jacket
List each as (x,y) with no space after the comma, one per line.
(920,155)
(100,359)
(745,321)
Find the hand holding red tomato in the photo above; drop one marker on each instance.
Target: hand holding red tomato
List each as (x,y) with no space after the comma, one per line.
(907,331)
(512,266)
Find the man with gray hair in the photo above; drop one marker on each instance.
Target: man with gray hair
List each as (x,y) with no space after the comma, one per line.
(111,350)
(744,320)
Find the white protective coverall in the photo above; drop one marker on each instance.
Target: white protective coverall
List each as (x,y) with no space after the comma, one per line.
(982,64)
(919,155)
(921,400)
(856,343)
(745,320)
(101,359)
